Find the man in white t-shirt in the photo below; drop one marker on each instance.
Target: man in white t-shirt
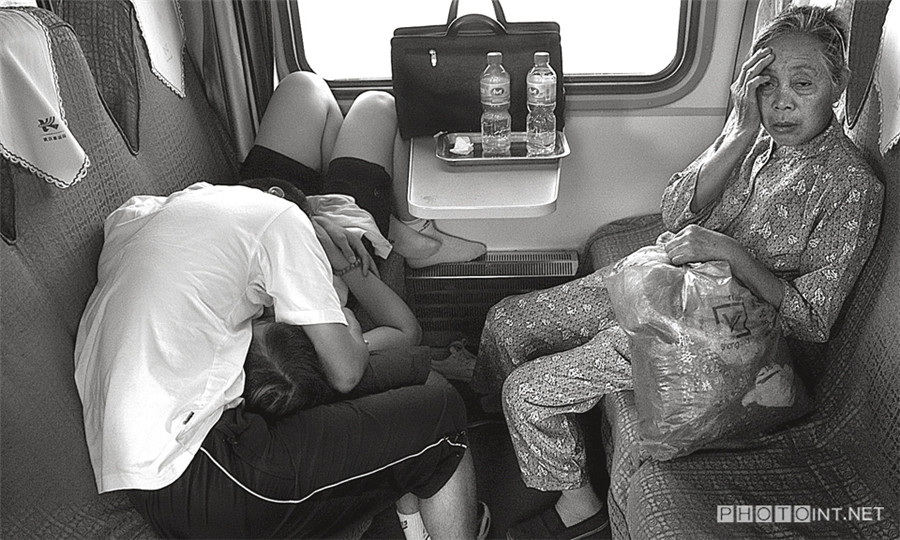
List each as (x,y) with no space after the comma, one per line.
(159,367)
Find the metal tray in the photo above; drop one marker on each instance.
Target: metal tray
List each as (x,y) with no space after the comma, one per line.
(518,153)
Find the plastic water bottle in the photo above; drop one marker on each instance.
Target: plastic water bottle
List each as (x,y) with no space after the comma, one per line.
(496,123)
(540,125)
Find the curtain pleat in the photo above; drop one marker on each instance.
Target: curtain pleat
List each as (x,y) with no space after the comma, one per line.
(865,37)
(288,49)
(232,43)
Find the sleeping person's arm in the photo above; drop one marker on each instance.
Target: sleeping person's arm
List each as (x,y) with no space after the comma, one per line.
(396,325)
(342,352)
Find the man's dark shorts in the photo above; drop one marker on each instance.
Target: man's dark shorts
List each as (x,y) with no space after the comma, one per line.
(316,472)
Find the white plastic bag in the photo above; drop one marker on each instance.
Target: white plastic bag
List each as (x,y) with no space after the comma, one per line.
(708,358)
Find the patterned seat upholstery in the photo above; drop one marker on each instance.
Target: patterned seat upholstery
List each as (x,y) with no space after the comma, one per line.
(49,271)
(49,260)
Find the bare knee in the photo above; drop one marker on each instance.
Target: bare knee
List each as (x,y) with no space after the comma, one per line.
(303,83)
(304,91)
(376,100)
(376,109)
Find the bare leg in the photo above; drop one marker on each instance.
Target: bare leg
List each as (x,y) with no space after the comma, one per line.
(408,504)
(576,505)
(452,511)
(368,133)
(368,130)
(302,120)
(410,519)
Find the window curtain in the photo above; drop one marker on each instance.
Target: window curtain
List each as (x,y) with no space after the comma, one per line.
(865,40)
(288,49)
(231,42)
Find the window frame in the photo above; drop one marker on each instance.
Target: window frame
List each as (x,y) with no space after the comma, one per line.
(693,50)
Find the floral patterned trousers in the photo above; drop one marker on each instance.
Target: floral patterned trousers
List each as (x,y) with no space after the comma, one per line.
(555,353)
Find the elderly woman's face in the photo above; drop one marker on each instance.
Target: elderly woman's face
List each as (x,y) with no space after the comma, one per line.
(795,103)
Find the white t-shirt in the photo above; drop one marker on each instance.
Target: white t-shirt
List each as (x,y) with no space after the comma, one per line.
(162,342)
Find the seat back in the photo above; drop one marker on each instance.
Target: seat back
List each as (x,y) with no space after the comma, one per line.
(49,269)
(858,394)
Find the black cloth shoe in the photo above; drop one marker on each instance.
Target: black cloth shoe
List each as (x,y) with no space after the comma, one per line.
(547,525)
(484,521)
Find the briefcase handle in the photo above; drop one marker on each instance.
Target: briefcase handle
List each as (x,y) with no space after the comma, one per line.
(475,19)
(498,12)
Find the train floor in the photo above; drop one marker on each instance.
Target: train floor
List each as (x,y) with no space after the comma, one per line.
(497,474)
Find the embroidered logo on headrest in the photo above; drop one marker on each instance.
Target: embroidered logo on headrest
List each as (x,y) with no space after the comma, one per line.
(48,123)
(50,127)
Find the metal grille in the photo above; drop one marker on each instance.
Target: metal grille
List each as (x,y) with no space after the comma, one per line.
(500,264)
(456,297)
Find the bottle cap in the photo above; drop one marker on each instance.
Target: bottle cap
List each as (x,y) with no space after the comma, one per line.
(541,57)
(495,57)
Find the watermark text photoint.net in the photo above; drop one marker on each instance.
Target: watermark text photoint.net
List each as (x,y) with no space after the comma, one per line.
(761,513)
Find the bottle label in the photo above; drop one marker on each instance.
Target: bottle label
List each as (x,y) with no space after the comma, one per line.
(494,93)
(542,93)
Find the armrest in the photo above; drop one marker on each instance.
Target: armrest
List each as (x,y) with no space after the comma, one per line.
(619,238)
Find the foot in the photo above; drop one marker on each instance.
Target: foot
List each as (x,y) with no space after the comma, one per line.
(458,365)
(453,248)
(548,525)
(410,243)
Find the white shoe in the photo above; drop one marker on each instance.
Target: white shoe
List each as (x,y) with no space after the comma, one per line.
(410,243)
(453,249)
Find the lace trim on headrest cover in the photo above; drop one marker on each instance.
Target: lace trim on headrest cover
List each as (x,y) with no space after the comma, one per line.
(887,78)
(34,132)
(162,29)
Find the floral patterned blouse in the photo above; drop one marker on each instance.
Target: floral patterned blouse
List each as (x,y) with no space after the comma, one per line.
(809,213)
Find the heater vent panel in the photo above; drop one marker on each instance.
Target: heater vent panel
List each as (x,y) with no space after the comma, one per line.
(456,297)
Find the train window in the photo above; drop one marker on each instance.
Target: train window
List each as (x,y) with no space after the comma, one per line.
(611,41)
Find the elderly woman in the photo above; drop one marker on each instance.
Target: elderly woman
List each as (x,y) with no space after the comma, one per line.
(782,195)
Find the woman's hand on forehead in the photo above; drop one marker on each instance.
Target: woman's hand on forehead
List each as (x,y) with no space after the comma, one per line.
(743,90)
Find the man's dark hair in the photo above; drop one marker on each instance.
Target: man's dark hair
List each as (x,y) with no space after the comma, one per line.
(280,188)
(283,372)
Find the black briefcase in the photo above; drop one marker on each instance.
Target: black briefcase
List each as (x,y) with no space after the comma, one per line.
(436,70)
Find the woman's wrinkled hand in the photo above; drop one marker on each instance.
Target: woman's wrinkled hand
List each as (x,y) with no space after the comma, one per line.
(342,247)
(746,114)
(699,244)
